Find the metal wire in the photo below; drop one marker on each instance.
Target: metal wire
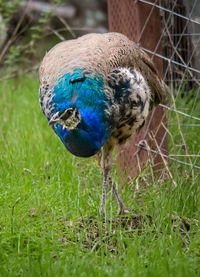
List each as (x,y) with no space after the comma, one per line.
(176,111)
(169,11)
(170,60)
(169,157)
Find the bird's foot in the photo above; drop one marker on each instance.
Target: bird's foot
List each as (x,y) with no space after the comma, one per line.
(123,210)
(102,211)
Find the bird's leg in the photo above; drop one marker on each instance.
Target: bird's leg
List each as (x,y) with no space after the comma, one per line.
(122,209)
(105,161)
(104,189)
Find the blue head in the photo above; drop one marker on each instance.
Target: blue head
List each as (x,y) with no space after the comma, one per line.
(79,116)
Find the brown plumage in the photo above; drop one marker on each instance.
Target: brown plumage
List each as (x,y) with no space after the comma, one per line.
(118,61)
(101,54)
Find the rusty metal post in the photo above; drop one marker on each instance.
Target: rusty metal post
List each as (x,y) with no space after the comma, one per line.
(141,23)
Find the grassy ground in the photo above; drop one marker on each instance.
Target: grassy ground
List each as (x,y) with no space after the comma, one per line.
(45,192)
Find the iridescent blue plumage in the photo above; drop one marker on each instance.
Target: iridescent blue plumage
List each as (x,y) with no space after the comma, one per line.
(87,93)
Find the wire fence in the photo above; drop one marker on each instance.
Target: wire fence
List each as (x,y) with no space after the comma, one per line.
(180,40)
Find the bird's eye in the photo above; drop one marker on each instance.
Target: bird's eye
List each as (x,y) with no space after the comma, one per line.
(66,114)
(69,112)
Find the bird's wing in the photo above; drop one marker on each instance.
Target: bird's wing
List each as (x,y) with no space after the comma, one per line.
(99,54)
(125,53)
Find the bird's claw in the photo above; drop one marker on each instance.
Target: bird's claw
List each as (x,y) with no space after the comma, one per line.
(102,211)
(125,211)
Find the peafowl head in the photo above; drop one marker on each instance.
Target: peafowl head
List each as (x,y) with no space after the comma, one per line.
(77,112)
(66,115)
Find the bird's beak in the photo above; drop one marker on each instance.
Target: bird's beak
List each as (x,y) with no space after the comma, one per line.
(55,119)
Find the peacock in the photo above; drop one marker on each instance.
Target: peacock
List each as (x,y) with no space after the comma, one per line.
(96,92)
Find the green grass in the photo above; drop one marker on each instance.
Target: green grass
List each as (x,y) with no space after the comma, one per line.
(45,192)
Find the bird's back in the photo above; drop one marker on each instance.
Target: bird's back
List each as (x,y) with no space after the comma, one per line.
(98,54)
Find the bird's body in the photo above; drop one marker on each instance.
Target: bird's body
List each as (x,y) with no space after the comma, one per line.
(96,91)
